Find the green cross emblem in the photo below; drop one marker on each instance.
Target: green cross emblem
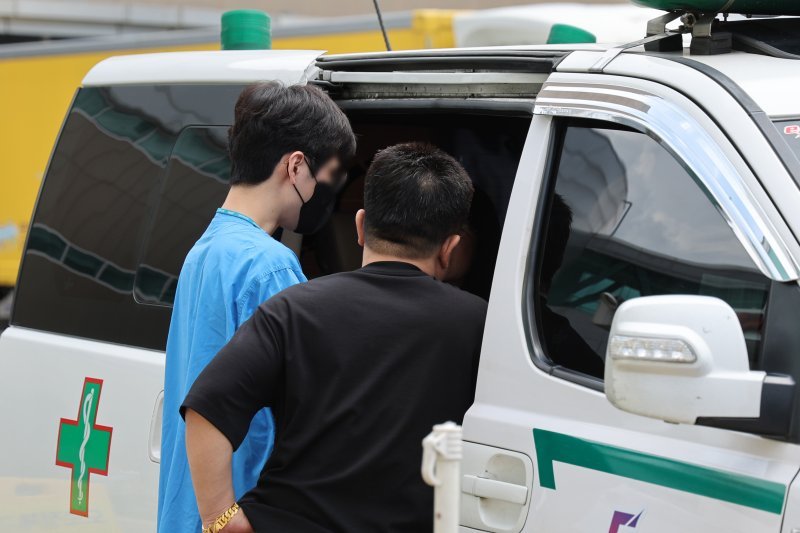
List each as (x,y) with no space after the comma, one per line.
(83,447)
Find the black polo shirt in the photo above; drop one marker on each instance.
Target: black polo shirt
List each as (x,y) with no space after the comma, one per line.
(357,368)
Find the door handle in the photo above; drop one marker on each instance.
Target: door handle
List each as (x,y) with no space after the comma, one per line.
(493,489)
(154,444)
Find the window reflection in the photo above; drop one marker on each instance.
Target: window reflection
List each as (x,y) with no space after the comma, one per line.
(196,182)
(640,226)
(98,203)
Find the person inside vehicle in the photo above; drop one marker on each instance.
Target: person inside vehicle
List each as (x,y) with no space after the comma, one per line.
(472,265)
(356,366)
(563,344)
(288,146)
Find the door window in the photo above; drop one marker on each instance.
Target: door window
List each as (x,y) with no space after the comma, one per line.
(625,219)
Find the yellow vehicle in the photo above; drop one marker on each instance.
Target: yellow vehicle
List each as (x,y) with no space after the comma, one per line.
(40,79)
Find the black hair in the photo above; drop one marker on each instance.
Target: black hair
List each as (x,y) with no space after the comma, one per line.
(415,196)
(272,119)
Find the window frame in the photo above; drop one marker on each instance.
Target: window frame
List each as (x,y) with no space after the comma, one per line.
(584,115)
(530,286)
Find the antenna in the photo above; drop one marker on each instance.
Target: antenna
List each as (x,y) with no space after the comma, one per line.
(383,28)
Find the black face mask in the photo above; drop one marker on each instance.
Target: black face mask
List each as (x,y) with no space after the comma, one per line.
(317,210)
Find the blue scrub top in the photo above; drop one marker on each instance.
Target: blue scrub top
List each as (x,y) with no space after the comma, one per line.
(230,271)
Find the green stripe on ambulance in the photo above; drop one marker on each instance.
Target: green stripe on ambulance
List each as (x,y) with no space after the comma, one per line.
(734,488)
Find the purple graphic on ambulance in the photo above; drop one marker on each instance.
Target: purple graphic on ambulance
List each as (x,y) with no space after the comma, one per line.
(623,519)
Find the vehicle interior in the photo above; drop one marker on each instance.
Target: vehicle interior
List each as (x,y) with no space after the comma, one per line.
(487,145)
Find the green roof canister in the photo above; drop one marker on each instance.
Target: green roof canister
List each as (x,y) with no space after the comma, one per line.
(246,29)
(566,34)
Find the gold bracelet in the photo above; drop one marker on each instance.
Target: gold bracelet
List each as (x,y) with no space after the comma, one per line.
(222,520)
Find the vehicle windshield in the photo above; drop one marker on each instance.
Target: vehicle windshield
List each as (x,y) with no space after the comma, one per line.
(790,129)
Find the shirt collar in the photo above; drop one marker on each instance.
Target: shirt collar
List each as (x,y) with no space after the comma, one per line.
(393,268)
(228,212)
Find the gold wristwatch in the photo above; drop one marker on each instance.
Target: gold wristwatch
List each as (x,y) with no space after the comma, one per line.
(222,520)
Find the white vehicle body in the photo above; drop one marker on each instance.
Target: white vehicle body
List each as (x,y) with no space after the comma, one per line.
(545,450)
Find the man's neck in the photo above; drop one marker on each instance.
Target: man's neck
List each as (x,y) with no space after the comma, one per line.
(427,265)
(256,202)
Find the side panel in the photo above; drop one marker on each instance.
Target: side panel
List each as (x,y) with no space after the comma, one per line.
(62,470)
(597,468)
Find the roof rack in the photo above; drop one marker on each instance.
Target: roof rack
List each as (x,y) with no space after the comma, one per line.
(777,37)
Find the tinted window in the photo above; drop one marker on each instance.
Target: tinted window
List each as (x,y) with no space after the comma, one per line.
(97,203)
(138,173)
(640,226)
(195,185)
(489,146)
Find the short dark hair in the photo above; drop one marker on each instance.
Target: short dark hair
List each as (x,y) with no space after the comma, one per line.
(272,119)
(415,196)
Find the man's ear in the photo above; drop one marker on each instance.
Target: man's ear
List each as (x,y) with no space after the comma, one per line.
(360,216)
(294,163)
(446,251)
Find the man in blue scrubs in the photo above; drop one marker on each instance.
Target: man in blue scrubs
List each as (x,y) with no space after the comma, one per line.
(288,147)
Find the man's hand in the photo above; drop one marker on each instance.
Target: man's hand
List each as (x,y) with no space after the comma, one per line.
(238,524)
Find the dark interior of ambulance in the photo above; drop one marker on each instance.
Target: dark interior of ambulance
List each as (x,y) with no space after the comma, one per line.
(489,148)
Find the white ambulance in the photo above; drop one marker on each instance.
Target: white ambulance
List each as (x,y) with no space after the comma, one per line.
(637,234)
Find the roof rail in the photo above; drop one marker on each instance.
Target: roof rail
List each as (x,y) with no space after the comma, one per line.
(533,61)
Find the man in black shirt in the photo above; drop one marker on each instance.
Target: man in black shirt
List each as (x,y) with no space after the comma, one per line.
(357,367)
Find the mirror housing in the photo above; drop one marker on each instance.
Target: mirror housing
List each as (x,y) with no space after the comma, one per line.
(681,358)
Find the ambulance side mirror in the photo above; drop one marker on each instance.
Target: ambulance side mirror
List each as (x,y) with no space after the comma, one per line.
(683,359)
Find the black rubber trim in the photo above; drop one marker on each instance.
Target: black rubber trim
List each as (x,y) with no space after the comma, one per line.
(542,62)
(411,64)
(326,86)
(780,339)
(777,407)
(515,108)
(434,53)
(584,380)
(759,117)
